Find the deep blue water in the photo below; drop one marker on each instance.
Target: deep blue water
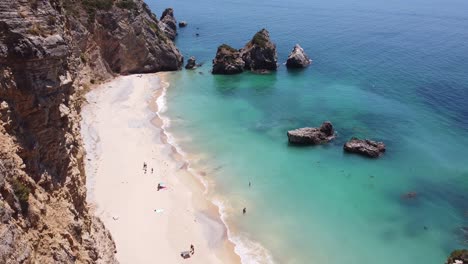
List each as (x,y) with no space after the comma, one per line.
(396,72)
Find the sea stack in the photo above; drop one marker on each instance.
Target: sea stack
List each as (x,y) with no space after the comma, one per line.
(191,63)
(259,54)
(365,147)
(168,24)
(182,24)
(298,59)
(227,61)
(312,135)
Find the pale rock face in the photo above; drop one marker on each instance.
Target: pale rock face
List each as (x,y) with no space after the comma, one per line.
(365,147)
(298,58)
(312,135)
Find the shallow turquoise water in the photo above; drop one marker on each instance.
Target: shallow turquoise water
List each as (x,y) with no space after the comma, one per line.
(395,72)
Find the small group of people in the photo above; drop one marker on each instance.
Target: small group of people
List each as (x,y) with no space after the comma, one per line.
(192,249)
(145,167)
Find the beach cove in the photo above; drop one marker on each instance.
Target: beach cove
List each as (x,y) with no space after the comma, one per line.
(122,129)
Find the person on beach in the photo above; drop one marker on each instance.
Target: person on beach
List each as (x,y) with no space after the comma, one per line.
(159,187)
(244,210)
(192,249)
(151,170)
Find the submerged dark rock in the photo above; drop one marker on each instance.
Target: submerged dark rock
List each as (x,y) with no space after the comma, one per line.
(410,195)
(260,53)
(312,135)
(298,58)
(227,61)
(458,257)
(191,63)
(365,147)
(168,24)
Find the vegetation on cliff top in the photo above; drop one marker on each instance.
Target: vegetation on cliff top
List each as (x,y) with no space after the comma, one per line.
(126,4)
(260,39)
(227,47)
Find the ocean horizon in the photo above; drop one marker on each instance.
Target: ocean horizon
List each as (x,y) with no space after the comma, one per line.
(393,72)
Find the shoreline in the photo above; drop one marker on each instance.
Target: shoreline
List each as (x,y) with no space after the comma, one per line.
(248,250)
(125,197)
(195,180)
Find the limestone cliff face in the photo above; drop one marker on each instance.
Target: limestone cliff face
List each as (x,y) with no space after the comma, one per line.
(51,52)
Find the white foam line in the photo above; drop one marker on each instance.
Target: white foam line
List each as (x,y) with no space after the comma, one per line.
(250,252)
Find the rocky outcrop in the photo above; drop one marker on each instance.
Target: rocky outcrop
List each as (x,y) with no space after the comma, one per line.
(51,52)
(298,58)
(260,53)
(132,42)
(365,147)
(191,63)
(312,135)
(183,24)
(458,257)
(168,24)
(227,61)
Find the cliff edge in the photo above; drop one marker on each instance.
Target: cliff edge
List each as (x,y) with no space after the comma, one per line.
(51,52)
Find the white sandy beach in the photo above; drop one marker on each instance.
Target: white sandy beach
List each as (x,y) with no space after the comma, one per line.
(148,226)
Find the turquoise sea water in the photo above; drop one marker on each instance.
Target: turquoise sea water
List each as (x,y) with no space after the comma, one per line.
(395,71)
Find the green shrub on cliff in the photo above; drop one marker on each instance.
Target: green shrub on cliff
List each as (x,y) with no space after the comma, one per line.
(91,7)
(126,4)
(259,39)
(227,47)
(22,193)
(98,4)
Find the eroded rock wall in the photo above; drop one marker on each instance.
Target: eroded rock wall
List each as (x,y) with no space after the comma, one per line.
(51,53)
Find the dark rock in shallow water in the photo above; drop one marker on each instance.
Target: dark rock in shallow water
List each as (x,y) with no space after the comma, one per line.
(410,195)
(191,63)
(227,61)
(312,135)
(298,58)
(365,147)
(260,53)
(182,24)
(168,24)
(458,257)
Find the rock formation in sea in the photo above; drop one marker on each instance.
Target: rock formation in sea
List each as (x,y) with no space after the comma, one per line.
(51,52)
(227,61)
(458,257)
(298,58)
(259,53)
(191,63)
(183,24)
(312,135)
(365,147)
(168,24)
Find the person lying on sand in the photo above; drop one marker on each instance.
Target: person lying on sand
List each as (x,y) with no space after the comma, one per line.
(160,186)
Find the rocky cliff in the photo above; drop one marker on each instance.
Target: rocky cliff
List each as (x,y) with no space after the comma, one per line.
(260,53)
(168,23)
(51,52)
(227,61)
